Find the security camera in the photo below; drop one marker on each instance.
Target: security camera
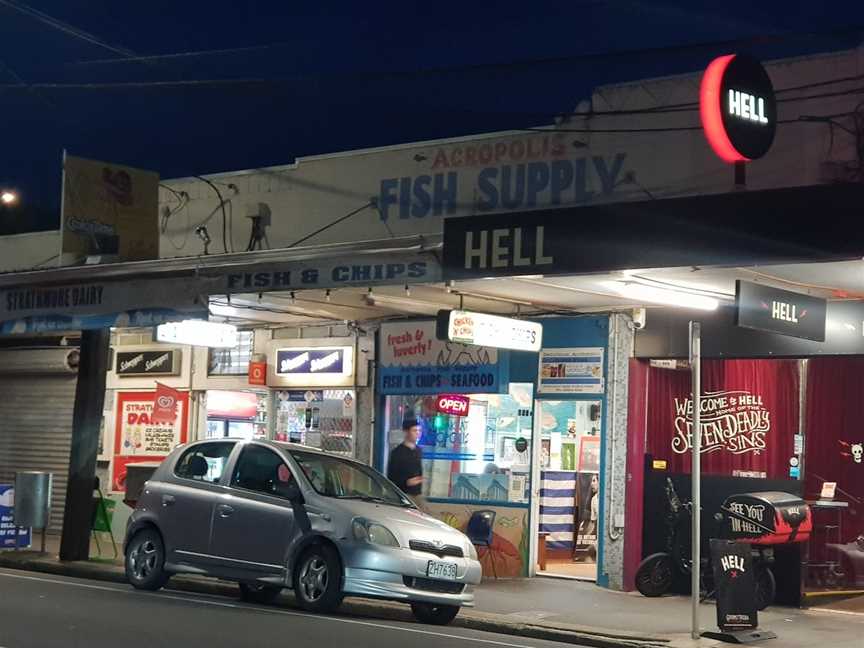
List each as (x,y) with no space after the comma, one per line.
(639,318)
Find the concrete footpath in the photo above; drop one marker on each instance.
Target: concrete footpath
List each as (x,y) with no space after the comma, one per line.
(558,610)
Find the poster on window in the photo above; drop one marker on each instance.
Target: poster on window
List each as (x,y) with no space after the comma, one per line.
(138,439)
(749,417)
(571,371)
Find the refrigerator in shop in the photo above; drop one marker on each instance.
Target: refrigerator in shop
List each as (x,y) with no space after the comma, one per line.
(323,419)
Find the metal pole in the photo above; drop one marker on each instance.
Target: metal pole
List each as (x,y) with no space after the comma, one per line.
(696,474)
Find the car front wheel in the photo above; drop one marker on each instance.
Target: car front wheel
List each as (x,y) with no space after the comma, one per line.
(318,579)
(145,561)
(434,614)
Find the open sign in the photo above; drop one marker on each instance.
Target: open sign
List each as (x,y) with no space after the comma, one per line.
(453,404)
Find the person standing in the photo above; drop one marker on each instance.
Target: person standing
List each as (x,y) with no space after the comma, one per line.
(405,468)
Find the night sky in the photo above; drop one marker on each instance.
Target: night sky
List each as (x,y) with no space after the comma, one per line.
(332,76)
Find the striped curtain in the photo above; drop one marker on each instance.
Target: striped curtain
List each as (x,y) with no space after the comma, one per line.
(558,508)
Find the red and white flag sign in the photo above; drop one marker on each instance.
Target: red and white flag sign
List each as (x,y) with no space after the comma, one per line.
(165,404)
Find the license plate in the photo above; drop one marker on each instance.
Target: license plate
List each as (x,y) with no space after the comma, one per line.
(441,570)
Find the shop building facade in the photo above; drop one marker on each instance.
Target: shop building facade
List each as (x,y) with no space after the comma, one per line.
(403,194)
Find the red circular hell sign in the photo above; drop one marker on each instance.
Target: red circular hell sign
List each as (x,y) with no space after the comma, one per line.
(737,108)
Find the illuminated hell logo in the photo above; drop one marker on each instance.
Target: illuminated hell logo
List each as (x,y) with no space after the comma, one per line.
(731,421)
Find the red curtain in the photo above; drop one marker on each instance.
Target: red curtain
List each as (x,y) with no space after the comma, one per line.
(835,434)
(749,417)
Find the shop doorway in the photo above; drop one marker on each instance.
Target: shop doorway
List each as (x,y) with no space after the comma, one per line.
(567,467)
(236,414)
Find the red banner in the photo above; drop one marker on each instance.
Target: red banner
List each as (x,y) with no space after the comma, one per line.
(749,417)
(835,441)
(165,404)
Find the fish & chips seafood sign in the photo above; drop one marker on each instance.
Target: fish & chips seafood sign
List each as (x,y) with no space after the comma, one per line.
(731,421)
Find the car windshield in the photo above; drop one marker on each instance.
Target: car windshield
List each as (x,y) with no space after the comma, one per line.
(335,477)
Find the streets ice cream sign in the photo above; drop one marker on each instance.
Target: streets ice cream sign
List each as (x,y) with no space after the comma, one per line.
(497,175)
(732,421)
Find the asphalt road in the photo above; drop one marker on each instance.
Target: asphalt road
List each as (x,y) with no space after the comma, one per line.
(39,611)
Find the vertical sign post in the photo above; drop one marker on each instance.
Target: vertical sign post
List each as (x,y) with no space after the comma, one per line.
(695,473)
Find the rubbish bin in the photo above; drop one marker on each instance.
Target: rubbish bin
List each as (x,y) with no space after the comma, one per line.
(33,500)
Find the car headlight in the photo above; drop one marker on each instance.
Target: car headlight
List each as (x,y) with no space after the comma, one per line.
(366,531)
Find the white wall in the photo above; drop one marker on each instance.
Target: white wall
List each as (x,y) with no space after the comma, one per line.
(27,251)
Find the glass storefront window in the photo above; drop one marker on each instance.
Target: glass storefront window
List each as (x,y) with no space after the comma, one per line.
(474,457)
(320,418)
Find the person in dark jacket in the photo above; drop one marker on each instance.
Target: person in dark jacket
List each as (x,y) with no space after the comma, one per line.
(405,468)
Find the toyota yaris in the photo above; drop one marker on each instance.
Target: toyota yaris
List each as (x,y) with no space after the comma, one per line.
(272,515)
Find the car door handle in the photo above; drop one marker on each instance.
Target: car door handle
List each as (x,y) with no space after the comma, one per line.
(168,500)
(224,510)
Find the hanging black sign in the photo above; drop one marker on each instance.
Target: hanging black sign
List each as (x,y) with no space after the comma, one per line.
(147,363)
(736,587)
(730,229)
(738,108)
(780,311)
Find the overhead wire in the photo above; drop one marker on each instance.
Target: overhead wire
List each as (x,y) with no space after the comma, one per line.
(64,27)
(221,206)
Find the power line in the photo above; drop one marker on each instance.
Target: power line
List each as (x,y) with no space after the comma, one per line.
(181,55)
(753,40)
(66,28)
(329,225)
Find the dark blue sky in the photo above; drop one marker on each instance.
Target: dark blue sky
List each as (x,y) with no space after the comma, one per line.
(350,74)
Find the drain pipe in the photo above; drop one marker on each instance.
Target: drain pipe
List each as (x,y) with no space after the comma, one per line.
(614,532)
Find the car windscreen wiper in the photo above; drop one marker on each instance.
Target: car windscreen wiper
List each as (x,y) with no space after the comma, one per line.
(370,498)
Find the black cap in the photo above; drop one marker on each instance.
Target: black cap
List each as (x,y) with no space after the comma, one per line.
(408,423)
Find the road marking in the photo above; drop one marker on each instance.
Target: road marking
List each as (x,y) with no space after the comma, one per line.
(183,599)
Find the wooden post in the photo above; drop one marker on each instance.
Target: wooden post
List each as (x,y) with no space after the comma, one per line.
(86,422)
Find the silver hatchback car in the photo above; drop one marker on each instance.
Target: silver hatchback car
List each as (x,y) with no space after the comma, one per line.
(271,515)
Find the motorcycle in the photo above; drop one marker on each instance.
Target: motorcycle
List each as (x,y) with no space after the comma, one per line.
(656,573)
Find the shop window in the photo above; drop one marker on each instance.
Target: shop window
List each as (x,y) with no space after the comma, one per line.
(233,361)
(204,462)
(320,418)
(261,470)
(483,456)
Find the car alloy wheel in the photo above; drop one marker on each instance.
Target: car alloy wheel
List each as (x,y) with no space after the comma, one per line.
(144,557)
(317,579)
(313,578)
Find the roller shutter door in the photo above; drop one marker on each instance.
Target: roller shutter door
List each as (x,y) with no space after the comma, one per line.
(36,431)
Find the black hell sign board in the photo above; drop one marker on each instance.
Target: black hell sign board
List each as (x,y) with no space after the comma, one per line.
(780,311)
(147,363)
(736,586)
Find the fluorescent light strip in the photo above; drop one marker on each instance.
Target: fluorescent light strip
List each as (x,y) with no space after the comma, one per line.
(654,295)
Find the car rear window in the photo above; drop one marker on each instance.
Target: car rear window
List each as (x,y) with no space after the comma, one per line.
(204,462)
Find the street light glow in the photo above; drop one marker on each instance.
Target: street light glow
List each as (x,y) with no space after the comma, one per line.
(8,197)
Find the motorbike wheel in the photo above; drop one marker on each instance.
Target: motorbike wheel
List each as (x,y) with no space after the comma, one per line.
(766,587)
(654,576)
